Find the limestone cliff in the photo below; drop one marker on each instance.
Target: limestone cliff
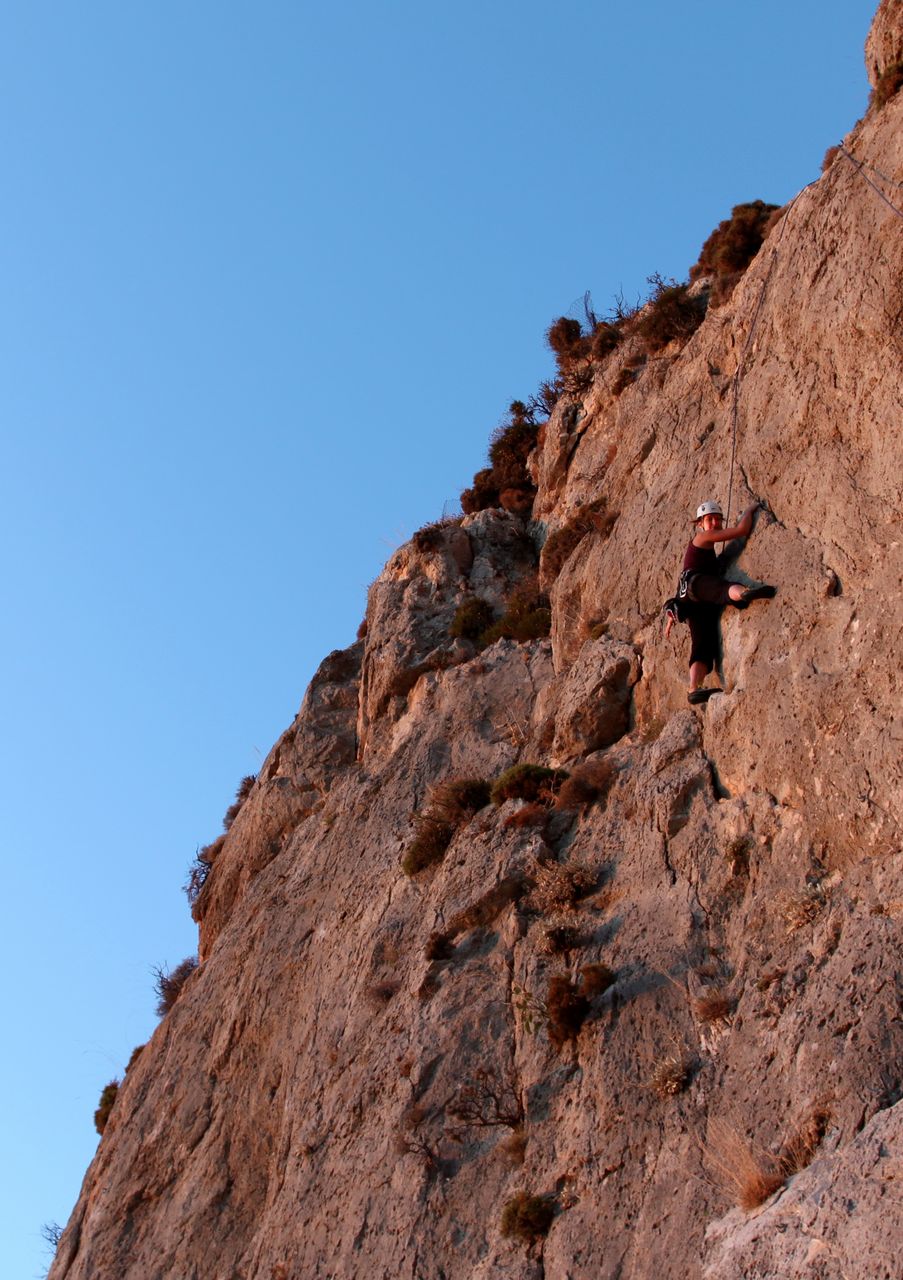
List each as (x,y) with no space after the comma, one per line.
(639,1001)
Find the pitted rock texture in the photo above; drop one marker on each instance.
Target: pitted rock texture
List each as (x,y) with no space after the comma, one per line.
(367,1066)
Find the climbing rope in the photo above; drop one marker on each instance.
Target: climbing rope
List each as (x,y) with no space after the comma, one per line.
(861,168)
(741,366)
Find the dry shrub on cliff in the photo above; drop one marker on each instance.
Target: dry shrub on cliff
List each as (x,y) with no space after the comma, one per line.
(527,782)
(471,618)
(889,82)
(671,314)
(567,1008)
(744,1171)
(559,936)
(457,799)
(108,1096)
(168,986)
(596,979)
(527,616)
(568,342)
(563,541)
(427,848)
(135,1055)
(510,446)
(735,242)
(558,888)
(527,1217)
(241,795)
(439,946)
(487,1100)
(432,536)
(588,784)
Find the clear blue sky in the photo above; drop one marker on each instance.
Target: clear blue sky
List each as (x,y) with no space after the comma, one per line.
(269,276)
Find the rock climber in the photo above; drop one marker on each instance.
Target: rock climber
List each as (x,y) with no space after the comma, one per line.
(704,592)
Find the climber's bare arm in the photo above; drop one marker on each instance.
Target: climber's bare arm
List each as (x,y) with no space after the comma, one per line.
(742,529)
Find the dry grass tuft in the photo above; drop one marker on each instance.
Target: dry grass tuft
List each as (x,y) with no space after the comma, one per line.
(745,1172)
(559,888)
(799,1148)
(530,815)
(713,1006)
(671,1075)
(799,909)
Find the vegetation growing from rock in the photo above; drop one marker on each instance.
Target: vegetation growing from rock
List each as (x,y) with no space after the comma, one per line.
(506,481)
(527,782)
(456,800)
(429,844)
(731,247)
(527,616)
(567,1009)
(108,1097)
(472,617)
(526,1217)
(889,83)
(562,542)
(671,314)
(168,986)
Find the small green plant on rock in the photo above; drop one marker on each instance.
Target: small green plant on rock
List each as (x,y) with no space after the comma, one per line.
(527,782)
(107,1098)
(527,1217)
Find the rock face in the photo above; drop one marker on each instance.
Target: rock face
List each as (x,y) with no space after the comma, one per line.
(670,1004)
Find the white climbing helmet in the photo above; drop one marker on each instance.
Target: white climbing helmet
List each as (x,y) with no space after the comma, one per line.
(708,509)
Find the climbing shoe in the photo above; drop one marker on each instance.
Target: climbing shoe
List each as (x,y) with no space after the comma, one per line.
(696,696)
(757,593)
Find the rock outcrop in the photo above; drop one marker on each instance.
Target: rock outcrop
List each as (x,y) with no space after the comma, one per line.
(666,1004)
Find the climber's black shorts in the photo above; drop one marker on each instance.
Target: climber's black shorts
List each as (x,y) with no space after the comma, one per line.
(704,634)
